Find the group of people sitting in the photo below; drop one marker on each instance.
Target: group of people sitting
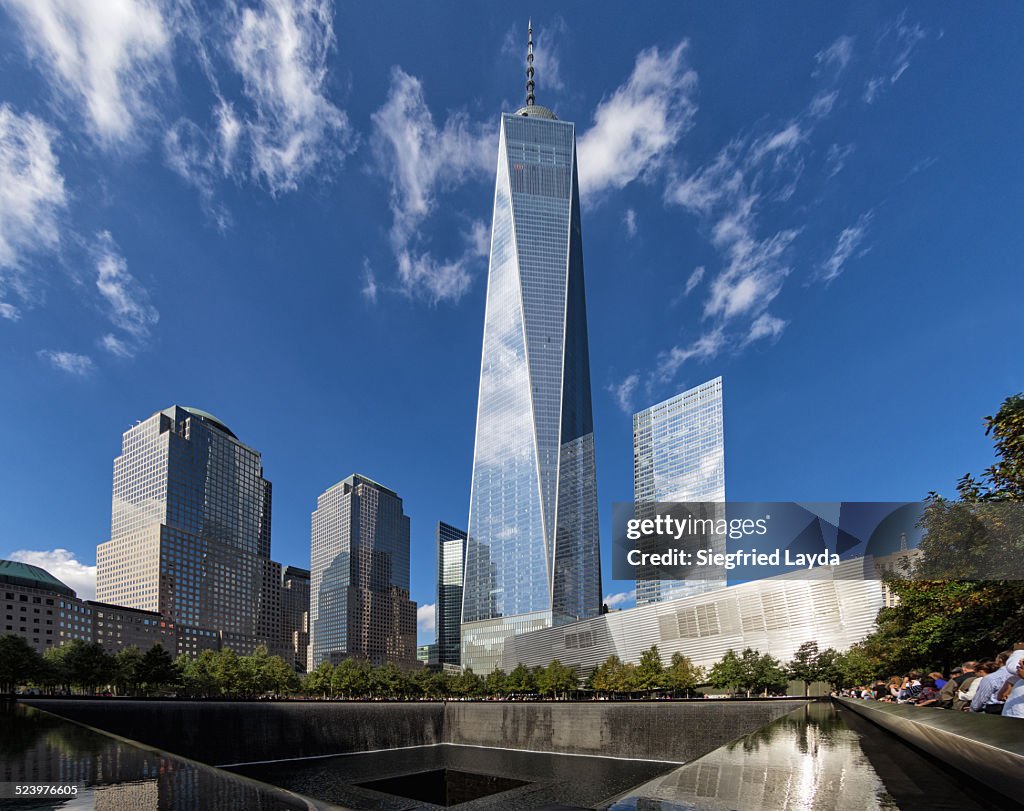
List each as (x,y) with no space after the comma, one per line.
(993,686)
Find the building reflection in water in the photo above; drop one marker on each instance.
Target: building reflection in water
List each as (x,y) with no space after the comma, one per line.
(37,747)
(808,759)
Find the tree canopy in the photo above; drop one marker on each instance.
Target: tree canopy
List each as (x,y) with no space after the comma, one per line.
(965,599)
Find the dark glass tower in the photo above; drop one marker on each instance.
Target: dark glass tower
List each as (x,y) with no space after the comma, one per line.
(451,556)
(533,552)
(359,603)
(190,533)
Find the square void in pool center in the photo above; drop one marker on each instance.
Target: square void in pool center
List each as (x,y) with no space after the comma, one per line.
(444,786)
(445,774)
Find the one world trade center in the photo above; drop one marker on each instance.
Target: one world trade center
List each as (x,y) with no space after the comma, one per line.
(532,551)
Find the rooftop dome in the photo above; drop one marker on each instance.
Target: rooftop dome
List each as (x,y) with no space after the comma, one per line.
(208,417)
(537,111)
(26,575)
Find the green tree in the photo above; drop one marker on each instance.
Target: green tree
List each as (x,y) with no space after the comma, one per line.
(828,665)
(19,663)
(281,677)
(55,673)
(197,675)
(440,685)
(227,672)
(352,678)
(764,672)
(496,683)
(127,665)
(388,681)
(614,676)
(318,682)
(521,681)
(1004,480)
(650,672)
(87,665)
(603,677)
(468,684)
(156,669)
(856,667)
(728,672)
(804,665)
(556,679)
(253,673)
(952,609)
(682,676)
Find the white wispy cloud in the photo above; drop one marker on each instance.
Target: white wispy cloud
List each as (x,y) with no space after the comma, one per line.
(369,289)
(752,173)
(704,348)
(694,279)
(836,158)
(283,128)
(624,392)
(127,302)
(637,126)
(280,49)
(63,565)
(189,152)
(420,160)
(899,40)
(821,105)
(70,362)
(425,618)
(621,598)
(117,347)
(835,57)
(754,275)
(782,141)
(765,326)
(629,220)
(847,243)
(108,58)
(32,198)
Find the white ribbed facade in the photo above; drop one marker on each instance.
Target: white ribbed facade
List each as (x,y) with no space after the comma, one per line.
(774,615)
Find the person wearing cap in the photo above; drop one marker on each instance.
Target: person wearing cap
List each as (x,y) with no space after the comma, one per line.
(959,679)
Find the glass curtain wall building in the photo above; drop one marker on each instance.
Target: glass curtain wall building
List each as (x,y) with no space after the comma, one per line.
(679,456)
(295,616)
(359,576)
(190,534)
(451,553)
(532,553)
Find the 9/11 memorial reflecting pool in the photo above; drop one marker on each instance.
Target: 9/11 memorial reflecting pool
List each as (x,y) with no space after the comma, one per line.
(817,756)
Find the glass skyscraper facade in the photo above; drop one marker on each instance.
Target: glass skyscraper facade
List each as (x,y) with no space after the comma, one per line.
(295,616)
(359,603)
(190,533)
(533,551)
(679,456)
(451,555)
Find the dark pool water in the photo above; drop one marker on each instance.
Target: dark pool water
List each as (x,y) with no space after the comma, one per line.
(820,757)
(817,757)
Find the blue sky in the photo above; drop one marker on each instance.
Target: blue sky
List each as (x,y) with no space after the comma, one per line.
(276,211)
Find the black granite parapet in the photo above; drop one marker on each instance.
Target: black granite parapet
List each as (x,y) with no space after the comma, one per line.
(988,748)
(655,730)
(228,732)
(224,733)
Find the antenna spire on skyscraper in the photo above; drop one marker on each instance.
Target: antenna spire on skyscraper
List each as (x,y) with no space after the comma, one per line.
(529,64)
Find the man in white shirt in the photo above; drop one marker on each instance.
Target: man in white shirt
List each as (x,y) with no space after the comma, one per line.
(1014,706)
